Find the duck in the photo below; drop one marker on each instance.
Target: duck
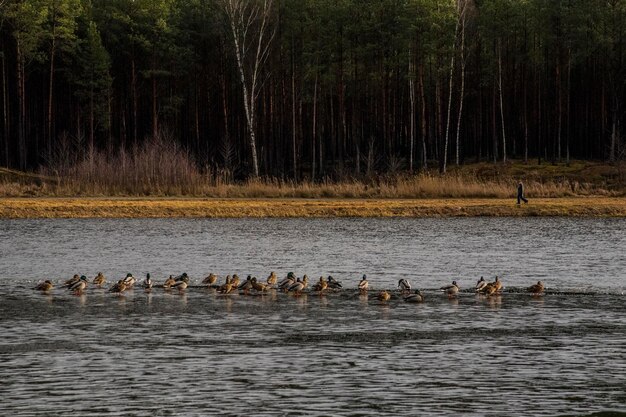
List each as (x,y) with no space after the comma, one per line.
(537,288)
(99,279)
(489,289)
(80,285)
(226,287)
(384,296)
(182,277)
(259,286)
(247,284)
(129,281)
(416,297)
(235,281)
(72,281)
(333,283)
(119,287)
(299,285)
(321,285)
(451,290)
(45,286)
(182,284)
(169,282)
(210,280)
(287,281)
(363,284)
(481,284)
(498,284)
(272,279)
(404,285)
(147,283)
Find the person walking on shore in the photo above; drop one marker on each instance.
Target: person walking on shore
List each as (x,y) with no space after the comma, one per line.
(520,194)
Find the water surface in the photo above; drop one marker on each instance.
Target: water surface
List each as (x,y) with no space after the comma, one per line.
(200,353)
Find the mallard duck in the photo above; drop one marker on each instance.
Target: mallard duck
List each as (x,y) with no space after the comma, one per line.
(119,287)
(287,282)
(99,279)
(182,284)
(363,284)
(481,284)
(404,285)
(247,284)
(489,289)
(536,289)
(272,279)
(210,280)
(235,281)
(45,286)
(227,287)
(498,284)
(321,285)
(416,297)
(72,281)
(169,282)
(384,296)
(333,283)
(79,286)
(182,277)
(129,281)
(299,285)
(147,283)
(259,286)
(451,290)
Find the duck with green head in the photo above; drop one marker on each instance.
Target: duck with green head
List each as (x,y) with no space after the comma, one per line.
(79,286)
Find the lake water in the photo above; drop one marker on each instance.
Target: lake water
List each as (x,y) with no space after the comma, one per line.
(200,353)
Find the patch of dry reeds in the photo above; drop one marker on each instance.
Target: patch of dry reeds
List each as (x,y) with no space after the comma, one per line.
(160,168)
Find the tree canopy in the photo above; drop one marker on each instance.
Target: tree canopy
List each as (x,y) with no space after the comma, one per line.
(345,87)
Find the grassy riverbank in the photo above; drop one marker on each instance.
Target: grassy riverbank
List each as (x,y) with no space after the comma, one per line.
(237,208)
(482,180)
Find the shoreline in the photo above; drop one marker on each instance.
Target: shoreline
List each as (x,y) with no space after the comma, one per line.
(149,207)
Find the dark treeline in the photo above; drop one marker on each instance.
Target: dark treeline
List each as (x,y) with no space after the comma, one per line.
(313,88)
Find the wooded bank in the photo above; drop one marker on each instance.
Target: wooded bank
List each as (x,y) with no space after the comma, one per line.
(310,89)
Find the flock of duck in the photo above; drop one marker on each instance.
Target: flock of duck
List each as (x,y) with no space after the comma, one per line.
(291,284)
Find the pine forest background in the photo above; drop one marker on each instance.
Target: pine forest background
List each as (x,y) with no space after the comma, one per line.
(308,89)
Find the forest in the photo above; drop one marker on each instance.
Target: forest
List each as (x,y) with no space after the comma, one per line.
(309,89)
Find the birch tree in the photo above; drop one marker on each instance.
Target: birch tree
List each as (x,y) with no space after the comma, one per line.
(252,31)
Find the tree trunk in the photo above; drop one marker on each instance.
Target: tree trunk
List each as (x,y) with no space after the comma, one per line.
(423,116)
(50,96)
(293,118)
(155,121)
(133,85)
(5,118)
(412,110)
(501,100)
(21,106)
(91,123)
(461,97)
(614,133)
(559,94)
(314,126)
(494,130)
(569,71)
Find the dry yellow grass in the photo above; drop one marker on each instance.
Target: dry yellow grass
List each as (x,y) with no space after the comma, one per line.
(482,180)
(236,208)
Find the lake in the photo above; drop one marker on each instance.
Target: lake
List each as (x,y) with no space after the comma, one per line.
(344,353)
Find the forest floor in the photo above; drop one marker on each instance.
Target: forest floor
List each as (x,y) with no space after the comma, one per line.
(89,207)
